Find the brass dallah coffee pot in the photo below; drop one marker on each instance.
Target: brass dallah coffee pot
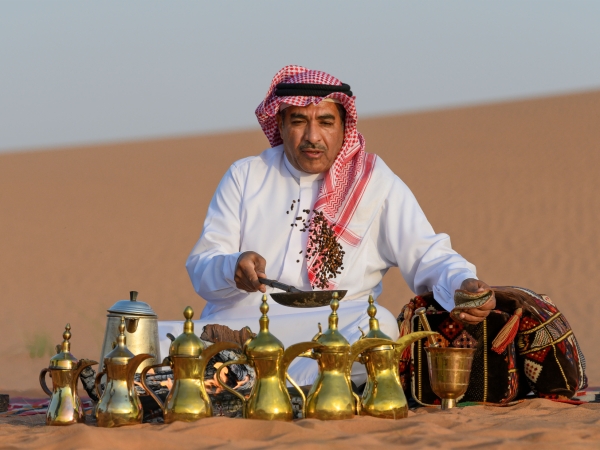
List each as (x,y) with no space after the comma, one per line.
(119,402)
(331,396)
(187,400)
(269,398)
(383,395)
(65,406)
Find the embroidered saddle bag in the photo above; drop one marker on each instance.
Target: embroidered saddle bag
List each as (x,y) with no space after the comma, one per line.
(524,345)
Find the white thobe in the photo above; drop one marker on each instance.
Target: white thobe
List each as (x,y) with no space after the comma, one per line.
(252,211)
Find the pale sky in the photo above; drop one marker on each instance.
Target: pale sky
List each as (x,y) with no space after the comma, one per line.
(77,72)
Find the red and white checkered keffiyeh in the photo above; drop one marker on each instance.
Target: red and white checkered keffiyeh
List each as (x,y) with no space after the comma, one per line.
(346,180)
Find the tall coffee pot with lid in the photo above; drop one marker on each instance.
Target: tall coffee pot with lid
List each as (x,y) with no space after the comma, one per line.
(119,403)
(187,400)
(65,406)
(141,329)
(331,395)
(269,398)
(383,395)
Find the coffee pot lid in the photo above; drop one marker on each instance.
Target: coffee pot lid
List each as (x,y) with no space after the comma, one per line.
(120,354)
(264,343)
(374,331)
(132,306)
(332,337)
(187,343)
(64,359)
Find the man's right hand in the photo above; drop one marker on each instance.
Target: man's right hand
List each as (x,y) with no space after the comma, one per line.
(250,266)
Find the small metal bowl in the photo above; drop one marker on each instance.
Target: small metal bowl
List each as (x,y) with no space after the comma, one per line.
(313,299)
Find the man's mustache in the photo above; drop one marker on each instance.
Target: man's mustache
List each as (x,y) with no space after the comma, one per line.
(310,145)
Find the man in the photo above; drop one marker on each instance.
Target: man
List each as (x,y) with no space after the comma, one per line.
(317,212)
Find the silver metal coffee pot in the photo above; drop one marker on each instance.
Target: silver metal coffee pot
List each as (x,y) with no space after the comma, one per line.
(141,329)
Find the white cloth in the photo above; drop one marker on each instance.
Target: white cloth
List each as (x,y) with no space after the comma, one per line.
(248,212)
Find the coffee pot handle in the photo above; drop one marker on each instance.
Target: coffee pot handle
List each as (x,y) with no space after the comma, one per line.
(97,382)
(227,388)
(152,394)
(358,403)
(43,382)
(300,391)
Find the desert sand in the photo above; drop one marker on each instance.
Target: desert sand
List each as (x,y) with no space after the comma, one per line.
(538,423)
(514,184)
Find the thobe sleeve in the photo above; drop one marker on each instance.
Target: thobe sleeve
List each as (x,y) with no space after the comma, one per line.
(212,262)
(426,259)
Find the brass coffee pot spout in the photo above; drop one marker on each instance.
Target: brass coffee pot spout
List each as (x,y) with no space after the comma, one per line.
(132,366)
(383,395)
(269,398)
(132,323)
(119,402)
(187,400)
(65,405)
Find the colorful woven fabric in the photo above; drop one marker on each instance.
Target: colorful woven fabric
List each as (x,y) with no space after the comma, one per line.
(22,406)
(347,179)
(551,357)
(544,358)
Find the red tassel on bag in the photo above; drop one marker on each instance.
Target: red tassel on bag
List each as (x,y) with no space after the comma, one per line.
(508,332)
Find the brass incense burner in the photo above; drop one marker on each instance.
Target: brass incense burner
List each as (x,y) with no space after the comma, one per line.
(331,396)
(187,400)
(269,398)
(65,405)
(449,372)
(119,403)
(383,395)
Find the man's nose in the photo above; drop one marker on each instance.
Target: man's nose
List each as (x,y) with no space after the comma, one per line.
(312,134)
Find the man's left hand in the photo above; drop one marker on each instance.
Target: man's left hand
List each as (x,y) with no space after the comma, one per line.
(475,315)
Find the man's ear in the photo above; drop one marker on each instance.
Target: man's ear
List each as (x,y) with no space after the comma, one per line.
(279,123)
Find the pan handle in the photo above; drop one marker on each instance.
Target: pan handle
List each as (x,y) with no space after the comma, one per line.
(278,285)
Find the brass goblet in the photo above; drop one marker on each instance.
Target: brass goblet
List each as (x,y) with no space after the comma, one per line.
(449,372)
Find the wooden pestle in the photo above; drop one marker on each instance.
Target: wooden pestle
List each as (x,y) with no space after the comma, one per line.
(425,323)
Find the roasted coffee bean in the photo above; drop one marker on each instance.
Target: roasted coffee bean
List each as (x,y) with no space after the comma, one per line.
(324,243)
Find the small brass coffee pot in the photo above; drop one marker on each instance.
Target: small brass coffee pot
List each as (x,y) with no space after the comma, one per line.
(187,400)
(269,398)
(119,402)
(331,396)
(383,395)
(65,406)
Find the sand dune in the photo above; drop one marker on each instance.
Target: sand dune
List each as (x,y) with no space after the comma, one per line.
(514,184)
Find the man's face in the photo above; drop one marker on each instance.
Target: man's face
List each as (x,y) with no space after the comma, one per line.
(312,135)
